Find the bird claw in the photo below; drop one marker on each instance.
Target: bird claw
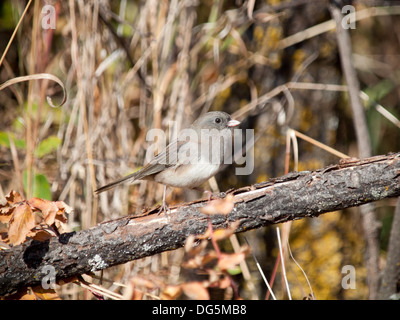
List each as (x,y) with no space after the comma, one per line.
(209,195)
(164,208)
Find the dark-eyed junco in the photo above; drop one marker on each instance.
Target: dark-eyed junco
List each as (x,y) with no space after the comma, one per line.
(194,157)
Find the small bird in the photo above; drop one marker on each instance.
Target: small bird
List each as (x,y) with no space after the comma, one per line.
(189,161)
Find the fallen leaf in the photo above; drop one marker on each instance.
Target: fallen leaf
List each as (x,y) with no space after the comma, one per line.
(222,283)
(48,208)
(194,246)
(6,214)
(14,197)
(63,208)
(219,206)
(52,210)
(41,234)
(231,260)
(195,290)
(143,283)
(13,200)
(45,294)
(23,220)
(221,234)
(200,260)
(136,294)
(171,292)
(24,293)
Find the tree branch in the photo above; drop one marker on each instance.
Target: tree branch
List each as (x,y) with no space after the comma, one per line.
(294,196)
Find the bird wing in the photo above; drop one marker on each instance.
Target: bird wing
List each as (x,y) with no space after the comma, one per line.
(165,159)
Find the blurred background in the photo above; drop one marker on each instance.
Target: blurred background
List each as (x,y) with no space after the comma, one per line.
(130,66)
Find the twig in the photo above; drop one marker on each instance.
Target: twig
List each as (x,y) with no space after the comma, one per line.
(330,24)
(320,145)
(262,273)
(283,263)
(298,265)
(15,32)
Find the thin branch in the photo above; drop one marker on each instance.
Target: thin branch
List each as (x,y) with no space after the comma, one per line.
(369,221)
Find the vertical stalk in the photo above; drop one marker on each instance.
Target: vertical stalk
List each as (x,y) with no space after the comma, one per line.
(369,221)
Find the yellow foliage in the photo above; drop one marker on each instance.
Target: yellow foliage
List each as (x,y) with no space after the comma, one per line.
(221,98)
(298,58)
(320,247)
(274,35)
(258,33)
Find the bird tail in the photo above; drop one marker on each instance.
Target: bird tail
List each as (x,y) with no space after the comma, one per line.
(116,183)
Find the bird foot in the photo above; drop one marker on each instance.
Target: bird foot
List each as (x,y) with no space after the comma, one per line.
(164,208)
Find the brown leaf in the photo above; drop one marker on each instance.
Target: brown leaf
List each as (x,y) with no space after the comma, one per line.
(48,209)
(143,282)
(171,292)
(13,200)
(45,294)
(221,283)
(219,206)
(14,197)
(200,260)
(6,214)
(63,208)
(195,290)
(193,246)
(51,210)
(23,220)
(24,293)
(229,261)
(221,234)
(136,294)
(40,234)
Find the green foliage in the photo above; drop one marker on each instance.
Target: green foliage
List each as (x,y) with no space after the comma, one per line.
(47,146)
(40,186)
(5,140)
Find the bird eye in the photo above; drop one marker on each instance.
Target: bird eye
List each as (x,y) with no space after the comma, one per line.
(218,120)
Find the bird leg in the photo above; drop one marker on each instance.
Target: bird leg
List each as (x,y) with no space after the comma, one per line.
(164,207)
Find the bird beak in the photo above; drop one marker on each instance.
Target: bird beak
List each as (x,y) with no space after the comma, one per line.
(233,123)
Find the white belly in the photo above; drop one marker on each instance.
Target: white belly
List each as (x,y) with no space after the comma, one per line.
(187,176)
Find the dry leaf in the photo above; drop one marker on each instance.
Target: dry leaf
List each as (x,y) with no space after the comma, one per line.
(219,206)
(13,200)
(51,210)
(200,260)
(45,294)
(23,220)
(220,234)
(41,233)
(22,216)
(171,292)
(24,293)
(136,294)
(63,208)
(38,76)
(193,246)
(229,261)
(195,290)
(222,283)
(143,283)
(48,208)
(6,214)
(14,197)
